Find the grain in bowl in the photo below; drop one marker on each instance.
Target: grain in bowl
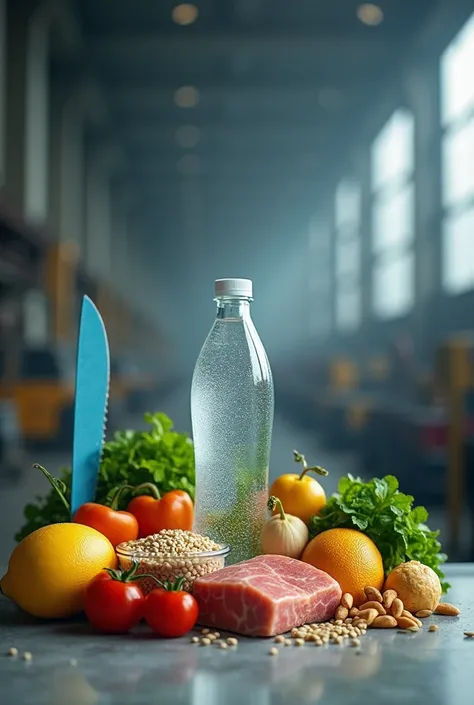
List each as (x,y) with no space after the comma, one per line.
(171,554)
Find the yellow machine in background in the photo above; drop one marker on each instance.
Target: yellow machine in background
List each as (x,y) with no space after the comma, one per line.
(39,379)
(42,390)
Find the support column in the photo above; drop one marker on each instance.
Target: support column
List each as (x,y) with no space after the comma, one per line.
(3,95)
(98,215)
(67,165)
(423,93)
(27,110)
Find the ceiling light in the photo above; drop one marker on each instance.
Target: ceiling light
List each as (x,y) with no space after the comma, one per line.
(189,165)
(370,14)
(185,13)
(186,97)
(188,136)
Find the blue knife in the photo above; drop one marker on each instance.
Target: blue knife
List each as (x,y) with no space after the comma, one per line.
(90,404)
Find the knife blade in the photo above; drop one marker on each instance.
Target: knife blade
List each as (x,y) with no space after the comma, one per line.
(90,403)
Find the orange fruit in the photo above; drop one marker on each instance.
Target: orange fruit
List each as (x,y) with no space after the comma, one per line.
(348,556)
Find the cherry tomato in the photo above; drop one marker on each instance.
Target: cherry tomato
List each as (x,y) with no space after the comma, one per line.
(117,526)
(170,612)
(113,603)
(174,510)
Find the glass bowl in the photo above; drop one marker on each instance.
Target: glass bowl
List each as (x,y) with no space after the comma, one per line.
(189,566)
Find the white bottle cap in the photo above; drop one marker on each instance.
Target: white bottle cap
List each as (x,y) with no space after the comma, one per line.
(233,287)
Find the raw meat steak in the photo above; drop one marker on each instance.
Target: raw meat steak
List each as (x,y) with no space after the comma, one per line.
(265,596)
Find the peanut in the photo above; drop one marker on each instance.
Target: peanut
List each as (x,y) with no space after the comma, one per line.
(388,597)
(408,614)
(341,613)
(447,610)
(373,605)
(384,621)
(397,608)
(423,613)
(353,612)
(347,601)
(372,594)
(367,616)
(405,623)
(433,628)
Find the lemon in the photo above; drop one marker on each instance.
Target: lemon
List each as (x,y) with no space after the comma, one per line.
(50,569)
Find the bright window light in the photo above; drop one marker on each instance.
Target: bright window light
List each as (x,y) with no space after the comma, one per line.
(394,286)
(458,259)
(393,150)
(457,84)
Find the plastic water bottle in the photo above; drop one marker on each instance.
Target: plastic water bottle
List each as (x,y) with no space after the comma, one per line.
(232,402)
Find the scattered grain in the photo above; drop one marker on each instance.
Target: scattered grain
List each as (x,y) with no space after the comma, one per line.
(232,641)
(273,652)
(469,635)
(194,640)
(205,642)
(299,642)
(73,662)
(13,651)
(422,614)
(279,639)
(205,631)
(433,628)
(355,642)
(222,645)
(27,656)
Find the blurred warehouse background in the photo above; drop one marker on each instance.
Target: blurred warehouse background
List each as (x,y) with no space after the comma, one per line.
(324,150)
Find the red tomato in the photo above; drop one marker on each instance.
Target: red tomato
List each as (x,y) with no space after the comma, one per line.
(170,613)
(116,525)
(113,604)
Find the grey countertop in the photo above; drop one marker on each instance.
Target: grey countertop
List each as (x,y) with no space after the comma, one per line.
(390,668)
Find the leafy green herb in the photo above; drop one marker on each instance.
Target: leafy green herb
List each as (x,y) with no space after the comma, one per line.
(388,517)
(158,455)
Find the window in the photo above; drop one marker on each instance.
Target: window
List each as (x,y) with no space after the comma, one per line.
(393,216)
(347,219)
(320,278)
(457,109)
